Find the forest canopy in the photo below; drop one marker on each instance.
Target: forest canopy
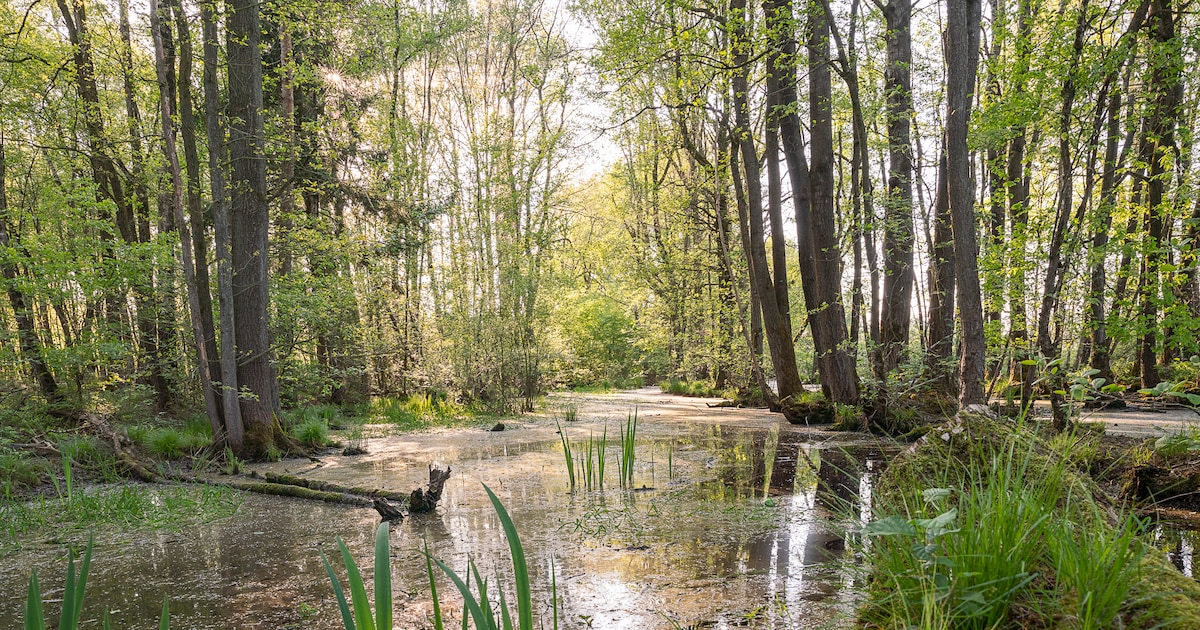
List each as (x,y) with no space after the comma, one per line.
(247,206)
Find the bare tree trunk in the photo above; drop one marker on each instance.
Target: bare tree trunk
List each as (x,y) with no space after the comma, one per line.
(249,220)
(287,104)
(962,59)
(826,312)
(776,323)
(233,431)
(941,288)
(185,237)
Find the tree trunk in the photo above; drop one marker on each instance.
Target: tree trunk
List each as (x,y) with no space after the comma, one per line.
(185,238)
(941,288)
(778,328)
(233,431)
(962,59)
(826,312)
(249,220)
(1160,146)
(898,230)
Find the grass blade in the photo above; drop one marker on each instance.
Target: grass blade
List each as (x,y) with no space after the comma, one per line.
(383,578)
(347,617)
(81,581)
(358,593)
(68,604)
(520,568)
(437,605)
(34,620)
(469,602)
(164,622)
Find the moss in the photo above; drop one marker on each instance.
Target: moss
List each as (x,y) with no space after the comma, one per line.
(1163,597)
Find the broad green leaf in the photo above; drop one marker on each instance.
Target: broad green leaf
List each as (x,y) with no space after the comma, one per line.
(933,495)
(383,577)
(890,526)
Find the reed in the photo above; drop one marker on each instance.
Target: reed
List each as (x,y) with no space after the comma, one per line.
(628,442)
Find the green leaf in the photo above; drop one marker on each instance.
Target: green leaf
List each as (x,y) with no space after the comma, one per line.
(933,495)
(164,622)
(1098,383)
(1090,372)
(890,526)
(433,594)
(520,568)
(1029,362)
(34,619)
(383,578)
(68,602)
(358,592)
(81,580)
(482,621)
(347,617)
(936,526)
(1112,387)
(1192,398)
(1147,392)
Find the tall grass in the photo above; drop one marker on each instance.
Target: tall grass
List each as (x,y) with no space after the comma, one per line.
(1009,524)
(628,442)
(480,607)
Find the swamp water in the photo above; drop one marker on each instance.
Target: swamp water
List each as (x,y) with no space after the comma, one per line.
(727,527)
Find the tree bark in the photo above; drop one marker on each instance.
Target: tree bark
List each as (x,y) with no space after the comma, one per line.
(233,431)
(778,328)
(182,227)
(249,220)
(898,231)
(941,288)
(826,312)
(962,59)
(1159,149)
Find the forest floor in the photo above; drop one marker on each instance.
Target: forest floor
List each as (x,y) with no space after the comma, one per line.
(1139,421)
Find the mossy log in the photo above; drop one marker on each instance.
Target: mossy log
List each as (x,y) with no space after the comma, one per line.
(298,492)
(326,486)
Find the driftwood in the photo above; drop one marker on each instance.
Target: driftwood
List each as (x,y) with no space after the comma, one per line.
(387,511)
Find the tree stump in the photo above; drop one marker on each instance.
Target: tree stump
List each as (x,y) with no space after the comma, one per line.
(424,501)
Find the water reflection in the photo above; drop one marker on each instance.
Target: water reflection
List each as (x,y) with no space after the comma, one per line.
(737,535)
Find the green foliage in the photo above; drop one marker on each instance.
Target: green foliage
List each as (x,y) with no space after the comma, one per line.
(971,536)
(628,450)
(356,612)
(75,587)
(19,471)
(699,389)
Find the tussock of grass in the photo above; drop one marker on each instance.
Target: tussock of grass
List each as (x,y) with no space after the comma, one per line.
(700,389)
(986,525)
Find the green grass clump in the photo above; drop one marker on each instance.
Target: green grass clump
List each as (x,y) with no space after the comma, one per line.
(682,387)
(19,471)
(125,506)
(628,442)
(171,442)
(988,526)
(419,411)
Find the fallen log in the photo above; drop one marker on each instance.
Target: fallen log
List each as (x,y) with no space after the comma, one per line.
(316,484)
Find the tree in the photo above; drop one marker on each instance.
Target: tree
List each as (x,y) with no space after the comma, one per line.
(962,59)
